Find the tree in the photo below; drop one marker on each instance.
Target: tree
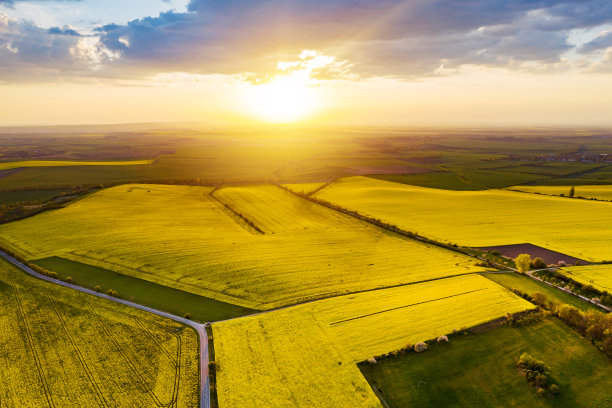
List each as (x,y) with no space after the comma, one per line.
(523,262)
(538,263)
(571,192)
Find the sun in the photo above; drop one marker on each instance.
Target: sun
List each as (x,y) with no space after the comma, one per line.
(283,100)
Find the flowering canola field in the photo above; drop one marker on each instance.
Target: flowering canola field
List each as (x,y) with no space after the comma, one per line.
(603,192)
(599,276)
(62,348)
(204,241)
(305,356)
(579,228)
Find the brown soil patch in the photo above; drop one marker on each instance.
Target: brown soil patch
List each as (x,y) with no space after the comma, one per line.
(549,256)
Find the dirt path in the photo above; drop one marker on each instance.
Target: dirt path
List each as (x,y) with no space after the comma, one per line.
(199,328)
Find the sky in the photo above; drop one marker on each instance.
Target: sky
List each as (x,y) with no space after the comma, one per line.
(359,62)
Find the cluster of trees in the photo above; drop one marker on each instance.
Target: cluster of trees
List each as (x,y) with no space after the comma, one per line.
(595,326)
(537,374)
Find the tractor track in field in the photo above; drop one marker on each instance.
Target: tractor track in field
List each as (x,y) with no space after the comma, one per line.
(80,356)
(200,329)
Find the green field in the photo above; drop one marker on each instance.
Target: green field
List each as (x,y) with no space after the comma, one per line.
(184,238)
(305,356)
(480,371)
(144,292)
(482,218)
(11,197)
(63,348)
(599,276)
(531,286)
(443,180)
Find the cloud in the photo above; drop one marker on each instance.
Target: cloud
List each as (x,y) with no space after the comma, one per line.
(404,39)
(602,41)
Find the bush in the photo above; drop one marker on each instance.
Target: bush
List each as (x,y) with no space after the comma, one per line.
(187,315)
(112,292)
(69,279)
(213,367)
(522,262)
(442,338)
(420,347)
(372,360)
(554,389)
(53,275)
(539,263)
(97,288)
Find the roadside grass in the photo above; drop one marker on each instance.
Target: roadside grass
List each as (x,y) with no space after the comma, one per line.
(181,237)
(144,292)
(599,276)
(513,280)
(306,356)
(578,228)
(63,348)
(480,370)
(11,197)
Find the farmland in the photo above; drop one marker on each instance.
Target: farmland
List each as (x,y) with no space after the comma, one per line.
(531,286)
(480,370)
(264,356)
(482,218)
(62,348)
(596,192)
(599,276)
(66,163)
(315,251)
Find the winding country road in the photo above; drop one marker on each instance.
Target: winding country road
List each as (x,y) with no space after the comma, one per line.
(199,328)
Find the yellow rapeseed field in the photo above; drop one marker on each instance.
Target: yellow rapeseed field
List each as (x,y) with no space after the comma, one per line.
(305,356)
(598,192)
(599,276)
(304,188)
(57,163)
(579,228)
(62,348)
(183,237)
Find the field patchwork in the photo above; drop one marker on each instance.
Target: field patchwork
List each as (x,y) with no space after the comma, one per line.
(482,218)
(189,239)
(297,356)
(63,348)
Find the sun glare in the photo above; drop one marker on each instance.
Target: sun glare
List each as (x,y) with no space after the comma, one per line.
(284,100)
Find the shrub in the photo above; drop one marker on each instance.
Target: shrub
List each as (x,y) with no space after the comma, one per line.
(554,389)
(420,347)
(53,275)
(372,360)
(112,292)
(213,367)
(539,263)
(187,315)
(495,252)
(523,262)
(69,279)
(561,263)
(97,288)
(442,338)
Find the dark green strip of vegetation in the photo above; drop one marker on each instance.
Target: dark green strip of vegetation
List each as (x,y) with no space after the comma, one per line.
(140,291)
(27,196)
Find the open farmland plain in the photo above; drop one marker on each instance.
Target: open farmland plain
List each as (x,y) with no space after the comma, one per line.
(253,246)
(62,348)
(297,356)
(599,276)
(482,218)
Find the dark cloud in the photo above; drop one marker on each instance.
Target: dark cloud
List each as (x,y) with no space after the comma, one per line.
(404,39)
(602,41)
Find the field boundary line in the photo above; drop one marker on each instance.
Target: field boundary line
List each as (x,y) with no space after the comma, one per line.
(204,396)
(231,209)
(405,306)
